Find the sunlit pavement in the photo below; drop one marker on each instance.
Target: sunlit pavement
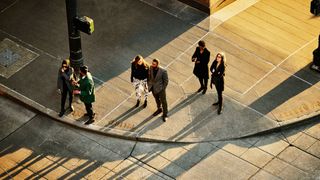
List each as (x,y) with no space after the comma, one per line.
(269,85)
(35,146)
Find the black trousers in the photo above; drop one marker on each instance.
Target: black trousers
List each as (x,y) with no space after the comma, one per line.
(89,109)
(64,93)
(161,100)
(203,82)
(219,88)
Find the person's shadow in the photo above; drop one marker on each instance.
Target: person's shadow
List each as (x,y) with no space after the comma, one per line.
(156,123)
(124,116)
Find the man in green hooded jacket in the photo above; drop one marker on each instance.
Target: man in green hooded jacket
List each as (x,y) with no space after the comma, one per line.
(86,92)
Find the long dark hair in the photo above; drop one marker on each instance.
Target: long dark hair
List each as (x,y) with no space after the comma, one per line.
(223,58)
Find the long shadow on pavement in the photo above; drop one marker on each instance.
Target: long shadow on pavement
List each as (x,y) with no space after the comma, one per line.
(285,90)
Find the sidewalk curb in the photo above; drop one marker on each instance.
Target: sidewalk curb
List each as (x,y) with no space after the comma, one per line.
(4,90)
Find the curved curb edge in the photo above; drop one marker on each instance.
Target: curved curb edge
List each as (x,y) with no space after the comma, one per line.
(127,135)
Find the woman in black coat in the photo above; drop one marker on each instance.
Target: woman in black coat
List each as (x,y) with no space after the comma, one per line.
(201,59)
(217,77)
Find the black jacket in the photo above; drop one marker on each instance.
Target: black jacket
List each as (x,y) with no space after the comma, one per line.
(217,76)
(139,72)
(201,69)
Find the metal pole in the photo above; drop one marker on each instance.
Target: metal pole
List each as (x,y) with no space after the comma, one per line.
(76,58)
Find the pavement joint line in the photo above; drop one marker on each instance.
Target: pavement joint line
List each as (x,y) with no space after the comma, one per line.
(113,87)
(145,163)
(242,48)
(27,44)
(182,9)
(239,158)
(98,143)
(150,158)
(263,115)
(278,65)
(176,15)
(8,7)
(301,79)
(310,135)
(184,52)
(294,146)
(125,100)
(20,127)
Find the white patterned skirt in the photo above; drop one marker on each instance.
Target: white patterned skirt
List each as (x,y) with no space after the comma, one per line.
(141,86)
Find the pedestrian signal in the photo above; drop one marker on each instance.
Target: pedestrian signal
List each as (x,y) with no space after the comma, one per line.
(84,24)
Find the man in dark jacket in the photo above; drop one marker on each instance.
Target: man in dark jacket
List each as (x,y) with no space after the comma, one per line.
(158,82)
(86,92)
(201,58)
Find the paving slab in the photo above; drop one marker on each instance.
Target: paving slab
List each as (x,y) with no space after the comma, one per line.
(43,148)
(268,83)
(8,123)
(221,165)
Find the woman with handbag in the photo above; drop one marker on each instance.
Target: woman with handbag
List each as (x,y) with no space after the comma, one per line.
(217,70)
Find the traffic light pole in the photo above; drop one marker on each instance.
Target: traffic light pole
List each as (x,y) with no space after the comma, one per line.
(76,58)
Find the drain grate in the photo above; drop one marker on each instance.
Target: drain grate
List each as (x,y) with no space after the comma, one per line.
(8,57)
(13,57)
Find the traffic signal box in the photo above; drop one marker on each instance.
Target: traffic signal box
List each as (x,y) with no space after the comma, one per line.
(84,24)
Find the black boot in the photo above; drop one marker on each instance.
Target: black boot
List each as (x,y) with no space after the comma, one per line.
(204,90)
(216,103)
(200,89)
(138,102)
(145,104)
(158,111)
(61,113)
(219,110)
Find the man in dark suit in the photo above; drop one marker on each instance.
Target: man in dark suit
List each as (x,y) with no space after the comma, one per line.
(201,58)
(86,92)
(158,82)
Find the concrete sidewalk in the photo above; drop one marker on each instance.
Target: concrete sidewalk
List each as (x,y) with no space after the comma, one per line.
(34,146)
(268,82)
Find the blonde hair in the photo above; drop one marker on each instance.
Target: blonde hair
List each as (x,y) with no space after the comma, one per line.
(223,57)
(66,62)
(137,59)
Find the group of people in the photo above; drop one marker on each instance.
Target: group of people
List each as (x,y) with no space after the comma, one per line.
(69,85)
(201,58)
(154,79)
(145,79)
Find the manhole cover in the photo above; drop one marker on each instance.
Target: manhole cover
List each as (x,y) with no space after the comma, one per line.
(14,57)
(7,57)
